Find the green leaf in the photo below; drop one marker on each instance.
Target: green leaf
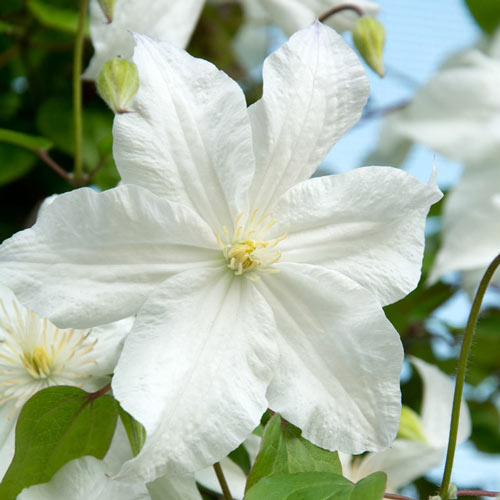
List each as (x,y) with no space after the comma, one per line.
(241,458)
(135,431)
(317,486)
(56,425)
(283,450)
(26,141)
(486,14)
(14,163)
(51,16)
(55,120)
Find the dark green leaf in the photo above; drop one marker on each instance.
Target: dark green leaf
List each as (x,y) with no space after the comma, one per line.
(486,13)
(14,163)
(55,120)
(283,450)
(56,425)
(26,141)
(135,431)
(51,16)
(241,458)
(317,486)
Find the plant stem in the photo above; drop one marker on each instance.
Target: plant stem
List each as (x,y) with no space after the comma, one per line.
(397,497)
(44,156)
(477,493)
(340,8)
(222,481)
(77,91)
(462,368)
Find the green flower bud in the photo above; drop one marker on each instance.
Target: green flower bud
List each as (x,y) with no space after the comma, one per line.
(107,7)
(410,426)
(369,38)
(117,83)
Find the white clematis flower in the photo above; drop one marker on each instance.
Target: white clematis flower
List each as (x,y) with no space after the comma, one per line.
(90,479)
(171,20)
(406,460)
(471,226)
(254,287)
(456,114)
(35,354)
(293,15)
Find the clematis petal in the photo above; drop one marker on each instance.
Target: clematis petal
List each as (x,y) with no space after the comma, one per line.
(437,405)
(170,20)
(456,114)
(89,479)
(292,15)
(188,137)
(403,462)
(471,223)
(338,377)
(314,90)
(194,371)
(7,437)
(235,477)
(174,487)
(93,258)
(357,223)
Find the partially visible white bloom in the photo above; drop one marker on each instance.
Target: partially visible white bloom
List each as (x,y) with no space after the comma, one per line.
(406,460)
(471,225)
(254,286)
(35,354)
(252,39)
(293,15)
(170,20)
(88,478)
(457,113)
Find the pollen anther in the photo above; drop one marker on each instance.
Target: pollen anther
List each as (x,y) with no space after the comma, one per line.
(248,250)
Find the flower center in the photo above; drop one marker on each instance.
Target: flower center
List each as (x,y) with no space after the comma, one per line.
(248,248)
(35,354)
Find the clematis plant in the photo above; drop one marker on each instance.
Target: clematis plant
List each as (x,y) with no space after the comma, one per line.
(253,286)
(422,439)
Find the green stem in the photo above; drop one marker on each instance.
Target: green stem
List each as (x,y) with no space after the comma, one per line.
(222,481)
(77,92)
(462,368)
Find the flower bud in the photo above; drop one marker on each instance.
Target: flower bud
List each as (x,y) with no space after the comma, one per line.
(117,83)
(410,426)
(369,38)
(107,6)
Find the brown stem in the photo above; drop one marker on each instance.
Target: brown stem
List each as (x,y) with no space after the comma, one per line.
(44,156)
(96,169)
(100,392)
(222,481)
(397,497)
(340,8)
(479,493)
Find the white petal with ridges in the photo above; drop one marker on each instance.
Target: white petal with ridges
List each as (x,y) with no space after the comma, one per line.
(189,135)
(358,224)
(471,223)
(93,258)
(170,20)
(338,377)
(194,370)
(403,462)
(437,405)
(314,90)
